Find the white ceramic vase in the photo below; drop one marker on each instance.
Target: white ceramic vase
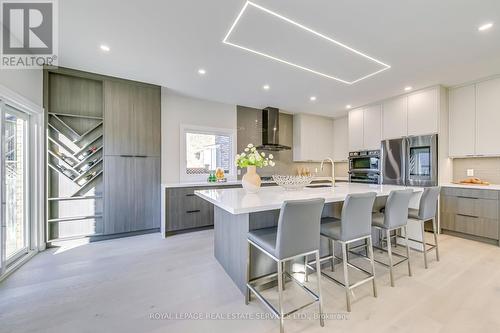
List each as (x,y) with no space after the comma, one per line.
(251,180)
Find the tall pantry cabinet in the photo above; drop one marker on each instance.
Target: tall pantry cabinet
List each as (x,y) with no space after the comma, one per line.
(132,149)
(103,155)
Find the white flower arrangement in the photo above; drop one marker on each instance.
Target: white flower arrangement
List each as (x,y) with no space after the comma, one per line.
(251,157)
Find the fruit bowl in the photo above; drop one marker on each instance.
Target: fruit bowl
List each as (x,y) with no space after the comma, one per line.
(292,182)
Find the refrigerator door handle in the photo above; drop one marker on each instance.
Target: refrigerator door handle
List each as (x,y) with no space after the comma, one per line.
(404,161)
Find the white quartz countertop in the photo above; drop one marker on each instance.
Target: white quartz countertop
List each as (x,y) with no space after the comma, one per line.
(493,187)
(235,182)
(237,201)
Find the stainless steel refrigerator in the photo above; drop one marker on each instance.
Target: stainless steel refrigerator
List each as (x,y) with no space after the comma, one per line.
(410,161)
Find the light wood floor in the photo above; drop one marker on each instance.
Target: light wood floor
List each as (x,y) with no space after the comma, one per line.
(114,286)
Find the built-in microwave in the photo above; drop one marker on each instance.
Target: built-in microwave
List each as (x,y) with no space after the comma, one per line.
(364,166)
(367,160)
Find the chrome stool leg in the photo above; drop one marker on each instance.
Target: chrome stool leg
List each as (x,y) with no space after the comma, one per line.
(389,252)
(434,228)
(422,226)
(280,296)
(320,303)
(306,275)
(346,276)
(372,259)
(247,290)
(283,277)
(407,250)
(332,249)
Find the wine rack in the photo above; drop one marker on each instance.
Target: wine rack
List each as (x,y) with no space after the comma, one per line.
(75,159)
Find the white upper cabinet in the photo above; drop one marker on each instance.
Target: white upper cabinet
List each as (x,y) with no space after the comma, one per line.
(394,118)
(462,121)
(340,139)
(356,125)
(372,134)
(488,117)
(365,128)
(313,137)
(423,112)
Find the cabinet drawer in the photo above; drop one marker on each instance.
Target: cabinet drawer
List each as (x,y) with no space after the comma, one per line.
(485,208)
(184,210)
(476,226)
(181,192)
(470,193)
(471,225)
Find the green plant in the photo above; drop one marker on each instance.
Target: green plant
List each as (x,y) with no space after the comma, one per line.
(252,157)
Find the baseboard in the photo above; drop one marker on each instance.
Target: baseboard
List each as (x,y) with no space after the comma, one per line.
(91,239)
(471,237)
(184,231)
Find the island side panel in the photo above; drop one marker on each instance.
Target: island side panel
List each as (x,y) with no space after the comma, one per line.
(230,244)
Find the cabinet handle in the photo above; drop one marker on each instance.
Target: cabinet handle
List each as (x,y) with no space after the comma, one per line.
(140,156)
(190,195)
(462,197)
(193,211)
(471,216)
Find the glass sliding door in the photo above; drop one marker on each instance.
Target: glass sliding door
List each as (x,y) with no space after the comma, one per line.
(15,184)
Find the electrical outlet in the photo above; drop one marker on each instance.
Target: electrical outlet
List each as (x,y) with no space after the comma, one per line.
(470,172)
(239,172)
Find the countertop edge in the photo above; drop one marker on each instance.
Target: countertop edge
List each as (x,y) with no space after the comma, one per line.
(234,182)
(237,211)
(491,187)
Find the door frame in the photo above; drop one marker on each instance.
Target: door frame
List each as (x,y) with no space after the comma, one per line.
(35,186)
(26,181)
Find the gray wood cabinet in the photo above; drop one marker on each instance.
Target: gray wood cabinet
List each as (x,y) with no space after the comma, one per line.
(132,200)
(119,189)
(184,210)
(119,118)
(132,129)
(146,117)
(471,212)
(132,113)
(147,193)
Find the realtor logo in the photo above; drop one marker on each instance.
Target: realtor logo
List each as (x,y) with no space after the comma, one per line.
(29,34)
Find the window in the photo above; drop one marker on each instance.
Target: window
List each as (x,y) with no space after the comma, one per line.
(203,150)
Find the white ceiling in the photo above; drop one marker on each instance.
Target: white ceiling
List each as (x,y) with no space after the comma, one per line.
(165,42)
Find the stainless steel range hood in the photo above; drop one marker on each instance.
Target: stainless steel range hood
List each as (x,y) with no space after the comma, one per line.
(270,130)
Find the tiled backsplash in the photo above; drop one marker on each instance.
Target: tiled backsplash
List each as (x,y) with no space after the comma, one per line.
(249,125)
(485,168)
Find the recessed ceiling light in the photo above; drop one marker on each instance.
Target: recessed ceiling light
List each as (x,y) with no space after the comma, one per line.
(105,48)
(286,19)
(312,98)
(266,87)
(348,106)
(408,88)
(201,71)
(485,26)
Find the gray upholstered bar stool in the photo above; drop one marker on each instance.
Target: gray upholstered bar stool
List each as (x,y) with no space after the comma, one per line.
(394,218)
(354,225)
(297,235)
(426,212)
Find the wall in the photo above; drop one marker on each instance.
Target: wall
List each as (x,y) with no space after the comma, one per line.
(177,109)
(249,125)
(485,168)
(26,82)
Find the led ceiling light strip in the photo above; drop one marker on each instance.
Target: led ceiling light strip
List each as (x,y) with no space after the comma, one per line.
(249,3)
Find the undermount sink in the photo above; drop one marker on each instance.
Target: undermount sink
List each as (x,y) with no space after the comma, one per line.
(318,185)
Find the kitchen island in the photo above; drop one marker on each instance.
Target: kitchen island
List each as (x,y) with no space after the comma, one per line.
(237,212)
